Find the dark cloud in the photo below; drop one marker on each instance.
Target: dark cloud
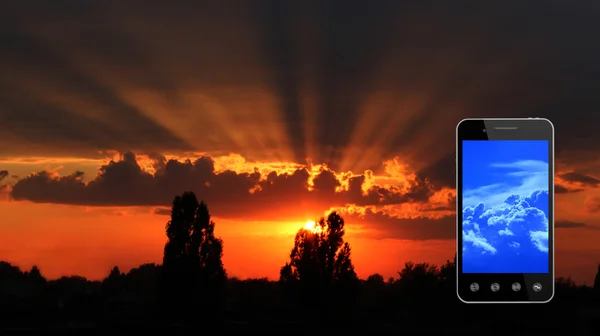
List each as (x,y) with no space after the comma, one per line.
(383,226)
(560,189)
(573,225)
(581,179)
(229,194)
(322,62)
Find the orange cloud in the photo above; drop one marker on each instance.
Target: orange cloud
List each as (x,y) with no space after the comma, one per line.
(235,188)
(384,204)
(574,182)
(223,178)
(579,179)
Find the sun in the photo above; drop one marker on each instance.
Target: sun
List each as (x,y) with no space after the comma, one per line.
(312,227)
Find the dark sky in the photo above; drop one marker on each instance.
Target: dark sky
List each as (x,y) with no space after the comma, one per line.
(340,76)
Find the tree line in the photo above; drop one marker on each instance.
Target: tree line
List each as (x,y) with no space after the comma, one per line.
(318,284)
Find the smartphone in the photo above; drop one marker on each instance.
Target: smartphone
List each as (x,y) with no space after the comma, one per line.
(505,210)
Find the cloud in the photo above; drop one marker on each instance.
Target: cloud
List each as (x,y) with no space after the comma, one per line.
(524,167)
(381,224)
(574,182)
(126,183)
(528,174)
(561,189)
(270,79)
(580,179)
(271,82)
(566,224)
(510,237)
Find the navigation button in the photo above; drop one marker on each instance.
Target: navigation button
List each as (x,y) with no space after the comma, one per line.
(516,287)
(474,287)
(495,287)
(537,287)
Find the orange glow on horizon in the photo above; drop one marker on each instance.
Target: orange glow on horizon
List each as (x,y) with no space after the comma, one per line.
(88,241)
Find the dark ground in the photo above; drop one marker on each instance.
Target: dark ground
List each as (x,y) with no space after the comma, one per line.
(127,304)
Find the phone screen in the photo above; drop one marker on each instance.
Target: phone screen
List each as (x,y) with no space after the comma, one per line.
(505,206)
(505,191)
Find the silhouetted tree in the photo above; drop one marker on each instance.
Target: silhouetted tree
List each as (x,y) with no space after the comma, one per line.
(448,271)
(8,271)
(417,281)
(320,269)
(597,280)
(375,280)
(14,282)
(34,273)
(447,275)
(176,280)
(562,282)
(205,252)
(192,258)
(374,294)
(113,285)
(143,281)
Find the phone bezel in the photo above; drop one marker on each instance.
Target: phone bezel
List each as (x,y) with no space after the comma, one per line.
(505,129)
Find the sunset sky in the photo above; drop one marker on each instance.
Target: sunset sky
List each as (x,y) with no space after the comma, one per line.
(285,110)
